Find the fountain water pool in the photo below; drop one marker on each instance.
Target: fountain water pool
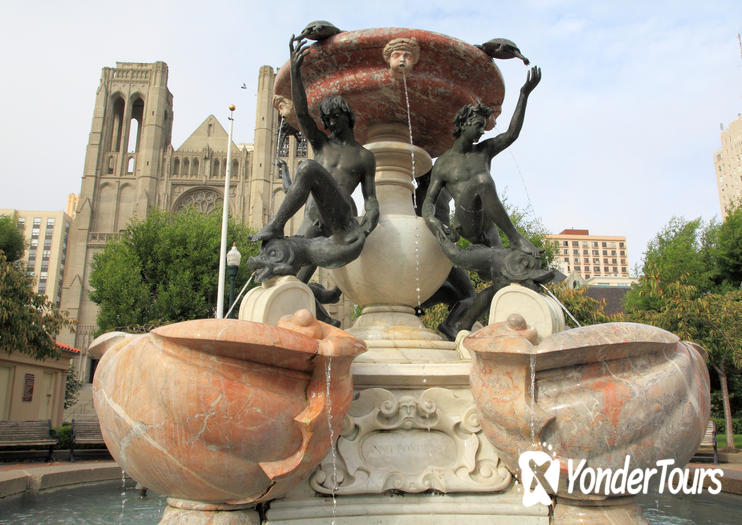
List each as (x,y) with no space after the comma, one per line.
(100,505)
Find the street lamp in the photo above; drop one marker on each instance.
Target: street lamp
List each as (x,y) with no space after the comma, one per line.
(233,265)
(225,213)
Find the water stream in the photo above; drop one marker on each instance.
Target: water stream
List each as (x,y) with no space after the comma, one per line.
(414,193)
(333,454)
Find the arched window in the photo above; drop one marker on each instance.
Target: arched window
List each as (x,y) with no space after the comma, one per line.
(235,168)
(135,125)
(118,123)
(215,170)
(186,168)
(176,167)
(194,168)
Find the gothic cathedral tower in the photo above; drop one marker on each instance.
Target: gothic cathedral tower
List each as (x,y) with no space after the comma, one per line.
(131,129)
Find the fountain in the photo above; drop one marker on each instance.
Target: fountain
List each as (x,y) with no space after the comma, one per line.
(222,415)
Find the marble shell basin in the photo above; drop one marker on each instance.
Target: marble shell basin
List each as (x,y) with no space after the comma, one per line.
(223,411)
(602,392)
(449,74)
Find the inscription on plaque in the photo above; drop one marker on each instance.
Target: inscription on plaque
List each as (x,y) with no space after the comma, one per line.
(410,451)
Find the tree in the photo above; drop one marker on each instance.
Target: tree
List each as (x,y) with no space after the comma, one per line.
(11,240)
(680,253)
(163,270)
(584,309)
(729,250)
(28,321)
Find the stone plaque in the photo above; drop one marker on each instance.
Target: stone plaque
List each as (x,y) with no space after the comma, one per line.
(411,441)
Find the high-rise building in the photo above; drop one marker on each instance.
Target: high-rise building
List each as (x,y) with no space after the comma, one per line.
(596,259)
(131,167)
(45,234)
(728,165)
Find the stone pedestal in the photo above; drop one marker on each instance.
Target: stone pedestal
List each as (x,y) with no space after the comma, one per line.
(185,512)
(401,264)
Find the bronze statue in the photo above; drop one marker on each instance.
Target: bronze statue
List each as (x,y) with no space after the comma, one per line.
(503,49)
(330,235)
(463,171)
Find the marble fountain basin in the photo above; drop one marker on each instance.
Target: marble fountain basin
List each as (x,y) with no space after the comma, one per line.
(600,393)
(220,411)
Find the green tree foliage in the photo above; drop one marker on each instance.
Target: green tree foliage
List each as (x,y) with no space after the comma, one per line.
(28,321)
(11,240)
(584,309)
(72,387)
(164,269)
(728,251)
(679,254)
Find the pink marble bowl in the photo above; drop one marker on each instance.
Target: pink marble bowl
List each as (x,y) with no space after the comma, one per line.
(602,392)
(449,74)
(224,412)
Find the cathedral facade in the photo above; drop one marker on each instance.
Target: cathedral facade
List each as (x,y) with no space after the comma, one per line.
(131,167)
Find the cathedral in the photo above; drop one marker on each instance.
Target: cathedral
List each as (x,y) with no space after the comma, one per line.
(131,167)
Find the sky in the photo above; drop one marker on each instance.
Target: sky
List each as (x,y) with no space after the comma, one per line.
(618,136)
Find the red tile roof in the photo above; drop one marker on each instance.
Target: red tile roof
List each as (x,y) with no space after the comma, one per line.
(575,232)
(67,348)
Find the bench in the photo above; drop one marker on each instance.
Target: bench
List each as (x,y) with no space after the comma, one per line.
(709,440)
(28,435)
(85,432)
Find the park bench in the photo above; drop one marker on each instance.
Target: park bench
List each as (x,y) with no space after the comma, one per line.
(709,440)
(21,436)
(85,431)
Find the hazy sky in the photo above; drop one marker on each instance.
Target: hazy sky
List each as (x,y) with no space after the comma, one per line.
(618,137)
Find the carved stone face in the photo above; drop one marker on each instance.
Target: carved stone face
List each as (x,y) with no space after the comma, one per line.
(401,54)
(400,59)
(284,105)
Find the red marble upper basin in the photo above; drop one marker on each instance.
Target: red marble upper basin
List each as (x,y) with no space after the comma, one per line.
(449,74)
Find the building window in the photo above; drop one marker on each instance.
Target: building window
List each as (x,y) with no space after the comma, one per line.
(595,244)
(575,252)
(283,147)
(615,270)
(584,252)
(301,146)
(35,232)
(575,243)
(577,268)
(623,269)
(613,252)
(606,269)
(37,222)
(622,253)
(21,223)
(621,245)
(50,222)
(596,252)
(596,269)
(565,243)
(605,252)
(603,244)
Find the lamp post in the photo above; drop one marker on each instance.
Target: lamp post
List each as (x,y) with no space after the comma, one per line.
(233,265)
(225,215)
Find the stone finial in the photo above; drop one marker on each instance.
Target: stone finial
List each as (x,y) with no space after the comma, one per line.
(401,54)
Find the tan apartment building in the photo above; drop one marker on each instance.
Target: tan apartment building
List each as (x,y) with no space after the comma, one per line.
(596,259)
(45,234)
(131,167)
(728,166)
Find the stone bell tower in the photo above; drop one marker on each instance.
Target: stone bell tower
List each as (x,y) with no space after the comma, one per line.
(131,129)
